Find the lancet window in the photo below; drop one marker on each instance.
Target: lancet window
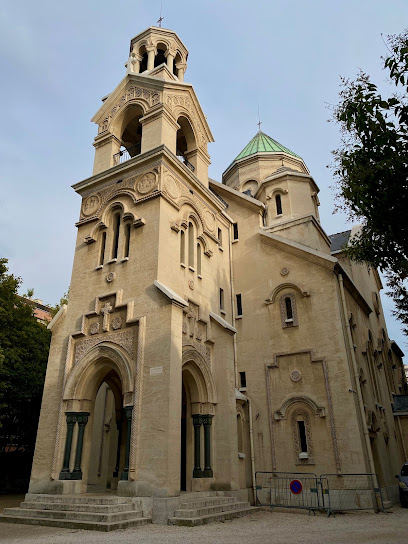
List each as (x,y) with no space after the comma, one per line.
(302,437)
(191,250)
(288,310)
(115,241)
(278,202)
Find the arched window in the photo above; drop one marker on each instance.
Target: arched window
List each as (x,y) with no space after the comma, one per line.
(127,241)
(199,259)
(160,57)
(302,437)
(278,201)
(116,229)
(102,249)
(143,62)
(130,134)
(191,245)
(185,142)
(182,248)
(288,307)
(288,310)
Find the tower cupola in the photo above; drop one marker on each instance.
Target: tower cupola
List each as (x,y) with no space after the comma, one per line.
(275,175)
(155,47)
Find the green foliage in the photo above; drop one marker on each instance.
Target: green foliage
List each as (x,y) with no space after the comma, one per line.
(24,346)
(371,169)
(63,300)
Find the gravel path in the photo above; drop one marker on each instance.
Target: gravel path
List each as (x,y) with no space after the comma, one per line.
(280,527)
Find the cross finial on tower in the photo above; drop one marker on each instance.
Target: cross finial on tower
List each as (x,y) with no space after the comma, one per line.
(160,18)
(259,123)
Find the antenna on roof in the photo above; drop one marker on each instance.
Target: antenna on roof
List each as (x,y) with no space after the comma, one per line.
(259,123)
(160,18)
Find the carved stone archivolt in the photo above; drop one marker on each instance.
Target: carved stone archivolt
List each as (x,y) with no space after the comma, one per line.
(124,338)
(145,97)
(177,103)
(137,186)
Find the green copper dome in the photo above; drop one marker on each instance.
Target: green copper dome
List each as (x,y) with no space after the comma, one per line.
(262,143)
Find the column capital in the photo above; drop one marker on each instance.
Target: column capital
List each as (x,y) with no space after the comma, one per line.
(197,419)
(82,418)
(206,419)
(128,411)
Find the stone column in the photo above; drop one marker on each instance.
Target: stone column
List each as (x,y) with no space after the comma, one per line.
(119,423)
(151,53)
(135,60)
(170,54)
(197,472)
(71,420)
(128,416)
(82,419)
(207,420)
(181,68)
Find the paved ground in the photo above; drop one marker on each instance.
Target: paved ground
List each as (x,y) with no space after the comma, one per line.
(280,527)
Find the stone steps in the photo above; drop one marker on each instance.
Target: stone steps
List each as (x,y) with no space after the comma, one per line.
(213,501)
(204,520)
(206,510)
(67,507)
(77,499)
(199,509)
(78,516)
(97,513)
(74,524)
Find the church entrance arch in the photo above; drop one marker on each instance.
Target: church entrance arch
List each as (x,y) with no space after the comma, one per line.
(197,411)
(98,417)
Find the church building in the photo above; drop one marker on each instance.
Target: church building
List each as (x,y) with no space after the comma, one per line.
(213,328)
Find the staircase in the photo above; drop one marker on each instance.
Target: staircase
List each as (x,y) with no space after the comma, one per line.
(95,513)
(202,508)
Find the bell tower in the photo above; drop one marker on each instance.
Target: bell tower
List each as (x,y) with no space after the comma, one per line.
(152,107)
(146,313)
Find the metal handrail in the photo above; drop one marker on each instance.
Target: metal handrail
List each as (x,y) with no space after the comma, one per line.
(126,154)
(184,160)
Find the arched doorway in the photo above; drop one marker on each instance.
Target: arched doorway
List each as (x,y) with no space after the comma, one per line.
(98,434)
(108,436)
(197,411)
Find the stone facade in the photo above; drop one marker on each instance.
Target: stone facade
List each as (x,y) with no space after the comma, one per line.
(210,330)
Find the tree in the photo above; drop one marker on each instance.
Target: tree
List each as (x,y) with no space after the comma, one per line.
(24,346)
(63,300)
(371,169)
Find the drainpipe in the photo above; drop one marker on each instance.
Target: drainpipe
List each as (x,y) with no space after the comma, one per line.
(357,379)
(233,307)
(251,446)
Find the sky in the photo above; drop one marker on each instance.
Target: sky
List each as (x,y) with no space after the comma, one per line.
(58,59)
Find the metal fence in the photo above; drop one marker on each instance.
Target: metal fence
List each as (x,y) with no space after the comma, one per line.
(288,490)
(341,492)
(329,492)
